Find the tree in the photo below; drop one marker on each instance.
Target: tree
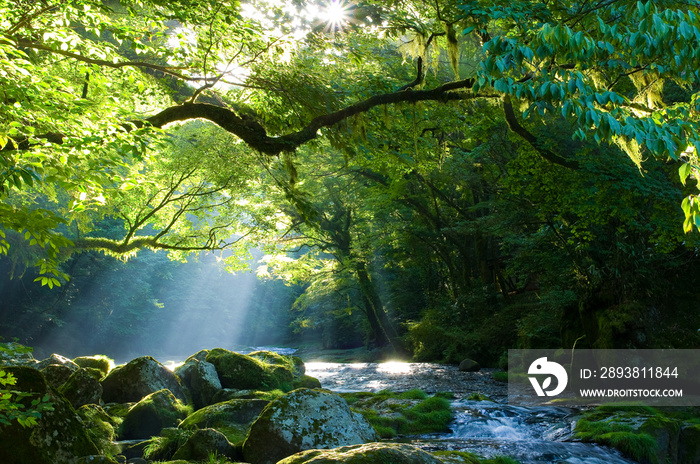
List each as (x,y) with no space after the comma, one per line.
(88,84)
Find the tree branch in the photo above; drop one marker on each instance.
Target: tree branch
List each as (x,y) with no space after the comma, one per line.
(21,43)
(515,126)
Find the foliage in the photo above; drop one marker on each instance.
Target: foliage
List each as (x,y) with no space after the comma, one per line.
(12,406)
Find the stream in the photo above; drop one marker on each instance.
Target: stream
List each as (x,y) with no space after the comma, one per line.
(486,428)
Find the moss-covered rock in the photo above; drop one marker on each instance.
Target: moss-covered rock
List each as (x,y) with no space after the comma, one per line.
(304,419)
(412,412)
(689,445)
(138,378)
(163,447)
(57,359)
(204,443)
(200,355)
(371,453)
(201,379)
(58,438)
(99,427)
(56,374)
(306,381)
(99,362)
(16,354)
(242,372)
(226,394)
(153,413)
(232,418)
(82,388)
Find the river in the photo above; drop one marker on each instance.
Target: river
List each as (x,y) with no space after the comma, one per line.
(532,435)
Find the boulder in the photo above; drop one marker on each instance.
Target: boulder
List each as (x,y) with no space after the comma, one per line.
(306,381)
(56,374)
(82,388)
(301,420)
(469,365)
(245,372)
(200,355)
(16,354)
(101,363)
(153,413)
(59,360)
(138,378)
(201,379)
(293,363)
(689,445)
(59,437)
(203,443)
(372,453)
(226,394)
(100,428)
(232,418)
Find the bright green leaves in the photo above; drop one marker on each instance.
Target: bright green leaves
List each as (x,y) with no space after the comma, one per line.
(12,404)
(691,208)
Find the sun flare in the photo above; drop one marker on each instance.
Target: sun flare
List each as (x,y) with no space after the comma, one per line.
(335,14)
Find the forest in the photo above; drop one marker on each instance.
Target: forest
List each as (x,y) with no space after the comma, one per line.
(437,179)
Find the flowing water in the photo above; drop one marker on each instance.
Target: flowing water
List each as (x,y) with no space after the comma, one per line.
(532,435)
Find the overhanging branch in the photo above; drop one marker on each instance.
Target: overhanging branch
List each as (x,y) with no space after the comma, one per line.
(536,143)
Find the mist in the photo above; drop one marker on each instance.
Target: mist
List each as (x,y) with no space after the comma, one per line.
(148,305)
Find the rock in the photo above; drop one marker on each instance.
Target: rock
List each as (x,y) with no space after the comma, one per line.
(82,388)
(306,381)
(204,443)
(244,372)
(200,355)
(100,428)
(372,453)
(138,378)
(201,379)
(101,363)
(233,418)
(56,374)
(689,445)
(469,365)
(665,433)
(59,436)
(226,394)
(299,367)
(57,359)
(304,419)
(153,413)
(15,354)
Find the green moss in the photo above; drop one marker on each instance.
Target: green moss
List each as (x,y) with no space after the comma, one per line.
(604,427)
(306,381)
(409,413)
(414,394)
(100,362)
(242,372)
(478,397)
(456,457)
(232,418)
(153,413)
(165,446)
(99,427)
(500,376)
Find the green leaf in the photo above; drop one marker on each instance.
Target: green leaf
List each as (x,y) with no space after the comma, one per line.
(684,171)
